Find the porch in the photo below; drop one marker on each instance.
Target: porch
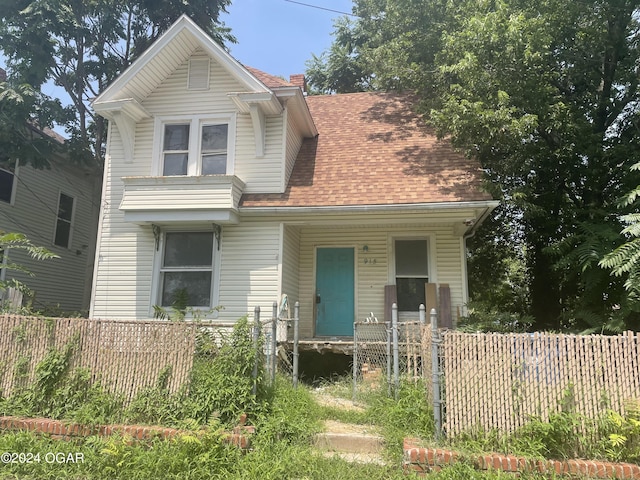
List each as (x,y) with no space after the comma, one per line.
(343,273)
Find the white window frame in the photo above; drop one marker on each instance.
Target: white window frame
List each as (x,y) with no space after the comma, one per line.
(431,256)
(158,261)
(71,221)
(195,122)
(13,185)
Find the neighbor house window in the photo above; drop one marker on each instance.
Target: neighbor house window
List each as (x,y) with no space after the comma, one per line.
(7,185)
(64,222)
(412,273)
(186,273)
(196,146)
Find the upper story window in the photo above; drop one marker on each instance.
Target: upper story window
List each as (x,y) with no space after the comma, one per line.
(7,185)
(64,222)
(195,146)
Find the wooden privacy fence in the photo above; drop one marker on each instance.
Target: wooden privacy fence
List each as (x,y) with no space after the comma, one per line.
(125,356)
(499,381)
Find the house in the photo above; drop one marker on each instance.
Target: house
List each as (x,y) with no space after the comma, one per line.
(56,208)
(228,186)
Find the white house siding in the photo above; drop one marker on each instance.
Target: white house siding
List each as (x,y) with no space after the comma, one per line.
(249,269)
(372,276)
(291,264)
(124,270)
(64,281)
(293,144)
(262,175)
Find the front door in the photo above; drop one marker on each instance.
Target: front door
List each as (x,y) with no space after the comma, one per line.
(334,292)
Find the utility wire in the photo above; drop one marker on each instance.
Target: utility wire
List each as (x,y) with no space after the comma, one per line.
(321,8)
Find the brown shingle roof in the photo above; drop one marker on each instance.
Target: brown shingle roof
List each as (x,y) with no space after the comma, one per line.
(271,81)
(373,150)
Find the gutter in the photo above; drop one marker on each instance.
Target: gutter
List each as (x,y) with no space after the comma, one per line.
(488,205)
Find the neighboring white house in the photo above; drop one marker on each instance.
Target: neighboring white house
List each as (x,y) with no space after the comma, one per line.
(231,187)
(56,208)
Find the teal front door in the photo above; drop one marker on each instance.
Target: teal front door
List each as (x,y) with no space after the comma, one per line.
(334,292)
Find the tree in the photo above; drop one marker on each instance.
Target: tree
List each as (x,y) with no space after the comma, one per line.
(24,114)
(624,261)
(83,45)
(545,95)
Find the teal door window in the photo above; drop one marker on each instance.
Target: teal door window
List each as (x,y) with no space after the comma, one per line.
(334,292)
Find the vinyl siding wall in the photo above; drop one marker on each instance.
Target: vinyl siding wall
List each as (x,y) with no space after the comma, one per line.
(249,271)
(373,270)
(293,143)
(62,281)
(291,264)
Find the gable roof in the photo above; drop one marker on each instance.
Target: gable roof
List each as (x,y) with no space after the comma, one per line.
(372,149)
(170,50)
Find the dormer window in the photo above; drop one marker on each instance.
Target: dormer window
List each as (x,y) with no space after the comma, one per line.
(195,146)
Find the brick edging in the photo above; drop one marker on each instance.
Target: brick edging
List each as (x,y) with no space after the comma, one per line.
(61,430)
(423,460)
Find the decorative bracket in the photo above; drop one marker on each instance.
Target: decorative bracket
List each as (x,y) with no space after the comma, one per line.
(156,234)
(217,232)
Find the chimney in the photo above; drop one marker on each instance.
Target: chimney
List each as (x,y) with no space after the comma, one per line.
(299,81)
(3,75)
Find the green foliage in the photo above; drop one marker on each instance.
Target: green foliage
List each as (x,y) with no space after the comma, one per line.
(82,47)
(407,416)
(20,242)
(291,415)
(22,109)
(480,320)
(223,384)
(621,434)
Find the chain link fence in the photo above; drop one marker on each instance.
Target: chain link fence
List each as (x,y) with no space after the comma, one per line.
(385,352)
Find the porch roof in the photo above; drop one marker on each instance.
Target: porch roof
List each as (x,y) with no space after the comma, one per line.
(372,149)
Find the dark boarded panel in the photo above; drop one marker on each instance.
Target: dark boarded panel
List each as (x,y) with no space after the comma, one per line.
(445,319)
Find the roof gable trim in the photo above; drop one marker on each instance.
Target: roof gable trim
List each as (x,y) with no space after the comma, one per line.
(210,47)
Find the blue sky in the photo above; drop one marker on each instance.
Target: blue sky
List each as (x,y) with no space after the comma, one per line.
(277,36)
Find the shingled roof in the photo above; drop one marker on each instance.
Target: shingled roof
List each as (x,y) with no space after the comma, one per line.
(372,149)
(270,81)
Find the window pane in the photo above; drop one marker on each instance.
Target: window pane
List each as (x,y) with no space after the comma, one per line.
(65,207)
(6,185)
(411,258)
(214,137)
(196,286)
(188,249)
(410,293)
(176,137)
(63,232)
(214,164)
(175,164)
